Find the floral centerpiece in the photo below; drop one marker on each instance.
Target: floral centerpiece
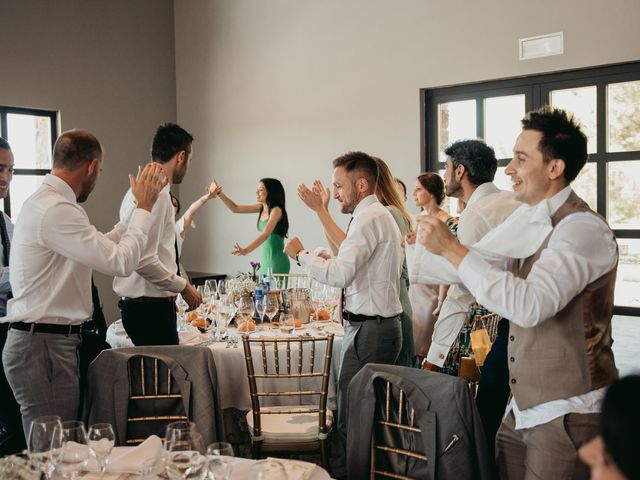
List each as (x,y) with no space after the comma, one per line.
(17,468)
(242,285)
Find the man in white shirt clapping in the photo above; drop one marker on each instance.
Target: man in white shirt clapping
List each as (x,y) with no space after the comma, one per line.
(53,253)
(557,294)
(368,268)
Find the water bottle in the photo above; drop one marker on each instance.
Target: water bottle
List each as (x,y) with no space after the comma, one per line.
(259,299)
(271,279)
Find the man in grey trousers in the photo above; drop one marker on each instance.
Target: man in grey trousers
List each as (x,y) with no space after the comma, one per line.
(367,267)
(54,251)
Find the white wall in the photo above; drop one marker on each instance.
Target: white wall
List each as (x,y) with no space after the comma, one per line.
(281,87)
(108,67)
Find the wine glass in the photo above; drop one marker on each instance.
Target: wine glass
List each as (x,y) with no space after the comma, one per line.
(260,306)
(268,470)
(219,468)
(271,307)
(101,441)
(185,459)
(224,313)
(245,308)
(182,308)
(39,445)
(69,450)
(212,286)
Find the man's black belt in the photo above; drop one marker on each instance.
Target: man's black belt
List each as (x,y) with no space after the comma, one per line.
(149,299)
(356,317)
(46,328)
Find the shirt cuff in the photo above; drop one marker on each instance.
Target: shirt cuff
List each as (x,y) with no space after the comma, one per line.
(437,354)
(179,284)
(304,258)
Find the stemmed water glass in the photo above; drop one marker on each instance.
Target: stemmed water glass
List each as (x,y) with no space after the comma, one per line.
(260,306)
(39,445)
(219,468)
(69,450)
(271,307)
(245,309)
(101,441)
(224,313)
(182,306)
(185,459)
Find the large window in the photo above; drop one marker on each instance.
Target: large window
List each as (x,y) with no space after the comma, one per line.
(606,100)
(31,134)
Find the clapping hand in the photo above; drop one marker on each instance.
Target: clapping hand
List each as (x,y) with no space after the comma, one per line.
(146,186)
(293,247)
(310,198)
(324,192)
(411,238)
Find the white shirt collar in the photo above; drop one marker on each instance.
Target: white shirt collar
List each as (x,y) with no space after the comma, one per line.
(482,191)
(61,186)
(364,203)
(558,199)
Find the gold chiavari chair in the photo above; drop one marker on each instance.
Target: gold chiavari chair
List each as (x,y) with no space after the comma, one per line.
(396,441)
(155,399)
(293,371)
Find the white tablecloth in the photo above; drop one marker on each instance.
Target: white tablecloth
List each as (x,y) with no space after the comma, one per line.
(230,363)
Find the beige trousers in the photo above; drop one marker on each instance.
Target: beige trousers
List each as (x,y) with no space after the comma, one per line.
(546,452)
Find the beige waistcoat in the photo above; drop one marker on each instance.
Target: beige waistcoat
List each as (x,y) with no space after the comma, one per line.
(569,353)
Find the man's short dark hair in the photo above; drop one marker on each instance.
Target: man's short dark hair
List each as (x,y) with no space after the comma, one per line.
(169,140)
(4,144)
(562,138)
(478,159)
(74,149)
(361,163)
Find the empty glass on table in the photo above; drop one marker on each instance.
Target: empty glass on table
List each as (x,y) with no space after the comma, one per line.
(69,449)
(39,443)
(268,470)
(185,459)
(101,440)
(219,467)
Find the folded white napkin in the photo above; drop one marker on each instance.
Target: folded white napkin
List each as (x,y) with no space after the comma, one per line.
(519,236)
(132,459)
(193,338)
(295,469)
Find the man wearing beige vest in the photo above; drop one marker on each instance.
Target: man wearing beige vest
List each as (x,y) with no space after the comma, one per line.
(558,295)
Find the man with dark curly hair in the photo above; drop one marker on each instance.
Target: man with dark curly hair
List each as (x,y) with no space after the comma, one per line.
(558,297)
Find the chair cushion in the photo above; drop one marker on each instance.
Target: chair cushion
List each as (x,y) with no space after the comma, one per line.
(287,428)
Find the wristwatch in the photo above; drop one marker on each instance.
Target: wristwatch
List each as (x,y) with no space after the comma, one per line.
(298,255)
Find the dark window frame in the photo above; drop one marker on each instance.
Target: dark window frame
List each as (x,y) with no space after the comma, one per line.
(536,89)
(53,117)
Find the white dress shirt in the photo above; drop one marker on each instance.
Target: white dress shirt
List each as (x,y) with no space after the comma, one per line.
(487,207)
(580,250)
(369,263)
(5,286)
(54,251)
(156,274)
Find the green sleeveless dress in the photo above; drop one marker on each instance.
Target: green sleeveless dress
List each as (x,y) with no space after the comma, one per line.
(272,253)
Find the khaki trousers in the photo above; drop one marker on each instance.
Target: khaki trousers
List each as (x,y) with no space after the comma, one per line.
(546,452)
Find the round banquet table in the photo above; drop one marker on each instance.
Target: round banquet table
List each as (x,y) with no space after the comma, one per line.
(230,362)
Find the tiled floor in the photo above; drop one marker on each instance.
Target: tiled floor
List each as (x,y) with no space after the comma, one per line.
(626,344)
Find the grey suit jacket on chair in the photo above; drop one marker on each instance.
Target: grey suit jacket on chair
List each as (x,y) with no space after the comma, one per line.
(107,395)
(444,407)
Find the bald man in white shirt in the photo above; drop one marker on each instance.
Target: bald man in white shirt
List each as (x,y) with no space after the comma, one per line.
(559,300)
(54,251)
(367,267)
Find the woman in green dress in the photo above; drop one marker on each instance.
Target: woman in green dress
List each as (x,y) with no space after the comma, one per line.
(273,225)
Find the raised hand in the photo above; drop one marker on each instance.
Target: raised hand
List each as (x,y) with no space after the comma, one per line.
(323,191)
(238,250)
(293,247)
(147,185)
(213,190)
(411,238)
(310,198)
